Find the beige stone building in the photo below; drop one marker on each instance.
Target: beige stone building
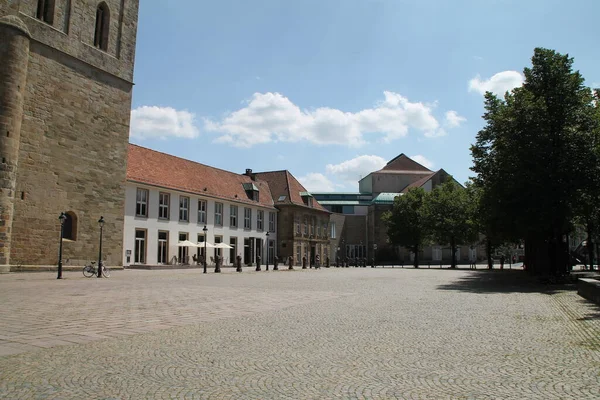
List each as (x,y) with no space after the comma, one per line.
(361,232)
(66,77)
(302,224)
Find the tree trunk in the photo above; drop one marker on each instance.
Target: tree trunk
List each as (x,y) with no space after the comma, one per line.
(416,260)
(590,244)
(488,250)
(453,250)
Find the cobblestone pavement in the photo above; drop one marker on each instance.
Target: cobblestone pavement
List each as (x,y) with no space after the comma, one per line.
(303,334)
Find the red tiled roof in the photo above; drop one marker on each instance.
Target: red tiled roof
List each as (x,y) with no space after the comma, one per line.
(282,183)
(404,164)
(163,170)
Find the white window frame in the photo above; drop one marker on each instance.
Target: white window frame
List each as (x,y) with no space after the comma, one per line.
(332,225)
(163,207)
(247,218)
(202,211)
(271,221)
(233,213)
(260,216)
(184,209)
(141,202)
(218,214)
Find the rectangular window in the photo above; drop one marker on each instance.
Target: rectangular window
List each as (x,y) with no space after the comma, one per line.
(233,210)
(312,226)
(140,246)
(202,211)
(200,250)
(297,223)
(325,229)
(271,222)
(233,251)
(183,253)
(247,218)
(298,255)
(218,214)
(271,251)
(141,203)
(318,228)
(333,230)
(164,200)
(163,247)
(184,208)
(259,220)
(306,225)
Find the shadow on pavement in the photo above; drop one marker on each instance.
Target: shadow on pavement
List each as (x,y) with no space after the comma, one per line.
(503,281)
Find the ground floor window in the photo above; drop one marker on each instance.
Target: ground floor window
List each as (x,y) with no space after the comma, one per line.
(140,246)
(298,254)
(271,251)
(163,247)
(200,251)
(218,252)
(182,252)
(233,251)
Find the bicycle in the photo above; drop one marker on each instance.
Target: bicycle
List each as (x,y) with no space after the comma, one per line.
(91,270)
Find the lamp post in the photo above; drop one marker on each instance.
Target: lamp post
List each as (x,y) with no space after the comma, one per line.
(205,229)
(62,218)
(101,223)
(267,251)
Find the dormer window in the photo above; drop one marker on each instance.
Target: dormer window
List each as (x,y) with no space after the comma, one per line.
(45,11)
(307,198)
(102,25)
(251,191)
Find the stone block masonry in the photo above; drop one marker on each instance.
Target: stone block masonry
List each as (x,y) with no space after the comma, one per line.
(69,131)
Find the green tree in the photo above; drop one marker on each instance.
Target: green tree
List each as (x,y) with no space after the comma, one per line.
(532,159)
(449,216)
(405,222)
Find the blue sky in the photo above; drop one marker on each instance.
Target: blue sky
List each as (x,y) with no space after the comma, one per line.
(332,89)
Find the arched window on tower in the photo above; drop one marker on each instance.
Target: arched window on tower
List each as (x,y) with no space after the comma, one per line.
(45,11)
(70,226)
(102,25)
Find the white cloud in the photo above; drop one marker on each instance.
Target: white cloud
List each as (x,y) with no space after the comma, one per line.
(316,182)
(453,120)
(355,169)
(423,161)
(162,122)
(269,117)
(498,84)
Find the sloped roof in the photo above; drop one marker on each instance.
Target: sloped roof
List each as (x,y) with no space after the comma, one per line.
(163,170)
(385,198)
(284,186)
(402,163)
(419,182)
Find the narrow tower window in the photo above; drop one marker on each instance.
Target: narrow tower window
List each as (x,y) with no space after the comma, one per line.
(102,24)
(45,11)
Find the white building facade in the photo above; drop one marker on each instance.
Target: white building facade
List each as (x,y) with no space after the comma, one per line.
(157,219)
(169,200)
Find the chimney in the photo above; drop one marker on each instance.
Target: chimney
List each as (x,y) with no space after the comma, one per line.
(250,174)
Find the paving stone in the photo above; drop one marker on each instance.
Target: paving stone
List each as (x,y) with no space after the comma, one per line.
(337,333)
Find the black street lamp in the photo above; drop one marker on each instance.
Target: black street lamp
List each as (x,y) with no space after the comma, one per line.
(62,218)
(101,223)
(205,229)
(267,251)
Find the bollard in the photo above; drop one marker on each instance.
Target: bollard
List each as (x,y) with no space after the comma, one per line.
(327,262)
(290,262)
(304,262)
(373,262)
(275,264)
(218,264)
(337,262)
(258,264)
(238,264)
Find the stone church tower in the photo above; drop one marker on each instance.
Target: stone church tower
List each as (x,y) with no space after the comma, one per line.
(66,72)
